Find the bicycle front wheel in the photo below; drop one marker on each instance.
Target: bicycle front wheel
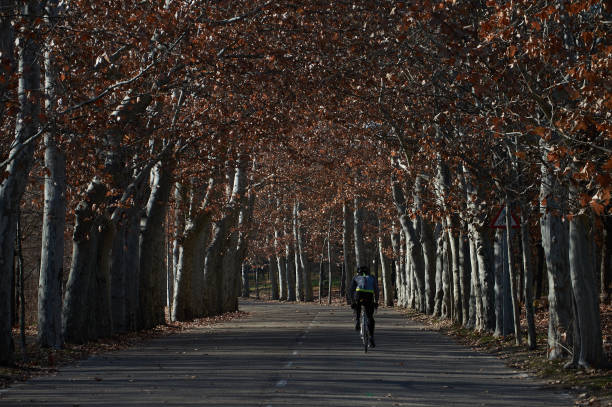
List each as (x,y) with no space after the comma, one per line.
(365,333)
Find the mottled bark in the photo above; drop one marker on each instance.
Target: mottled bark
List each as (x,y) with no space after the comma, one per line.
(360,251)
(290,270)
(475,320)
(589,352)
(397,262)
(99,310)
(414,246)
(84,256)
(444,261)
(244,272)
(124,271)
(513,276)
(439,295)
(246,287)
(447,295)
(528,275)
(385,267)
(429,257)
(555,243)
(152,271)
(483,280)
(21,153)
(54,216)
(486,275)
(465,273)
(274,279)
(299,273)
(453,239)
(243,238)
(499,267)
(219,290)
(280,268)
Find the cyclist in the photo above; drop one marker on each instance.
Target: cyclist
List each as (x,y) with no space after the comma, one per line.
(364,290)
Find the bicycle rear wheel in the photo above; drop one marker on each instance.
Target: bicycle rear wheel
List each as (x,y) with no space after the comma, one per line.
(365,333)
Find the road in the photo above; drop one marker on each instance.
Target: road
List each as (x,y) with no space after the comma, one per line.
(290,355)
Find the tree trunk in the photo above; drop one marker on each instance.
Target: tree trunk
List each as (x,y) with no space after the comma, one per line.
(99,301)
(386,270)
(397,261)
(183,303)
(606,261)
(486,275)
(84,255)
(539,277)
(499,266)
(360,252)
(290,269)
(299,274)
(302,258)
(439,235)
(476,320)
(274,295)
(246,289)
(555,244)
(414,246)
(465,270)
(516,313)
(21,288)
(22,154)
(483,277)
(447,296)
(244,223)
(582,269)
(321,273)
(346,244)
(224,239)
(152,276)
(453,238)
(54,216)
(126,260)
(330,263)
(444,261)
(528,275)
(429,256)
(52,250)
(280,267)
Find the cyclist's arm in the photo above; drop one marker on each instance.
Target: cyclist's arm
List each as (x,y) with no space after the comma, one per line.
(352,289)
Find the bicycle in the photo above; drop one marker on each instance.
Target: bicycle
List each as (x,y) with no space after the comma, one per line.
(365,332)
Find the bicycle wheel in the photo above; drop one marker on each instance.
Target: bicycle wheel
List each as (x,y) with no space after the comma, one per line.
(365,333)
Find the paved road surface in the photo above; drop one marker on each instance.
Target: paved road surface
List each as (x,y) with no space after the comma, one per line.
(290,355)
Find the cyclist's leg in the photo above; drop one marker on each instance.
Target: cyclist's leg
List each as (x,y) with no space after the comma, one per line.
(357,311)
(370,313)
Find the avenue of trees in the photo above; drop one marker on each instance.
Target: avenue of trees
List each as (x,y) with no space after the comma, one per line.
(176,143)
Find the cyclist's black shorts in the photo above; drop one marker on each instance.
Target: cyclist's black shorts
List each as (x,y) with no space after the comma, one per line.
(362,297)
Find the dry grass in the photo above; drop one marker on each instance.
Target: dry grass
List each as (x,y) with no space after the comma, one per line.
(591,387)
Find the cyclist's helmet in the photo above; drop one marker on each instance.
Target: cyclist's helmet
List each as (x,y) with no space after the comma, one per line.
(363,270)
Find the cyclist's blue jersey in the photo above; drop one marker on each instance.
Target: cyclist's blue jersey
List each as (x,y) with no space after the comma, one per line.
(365,284)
